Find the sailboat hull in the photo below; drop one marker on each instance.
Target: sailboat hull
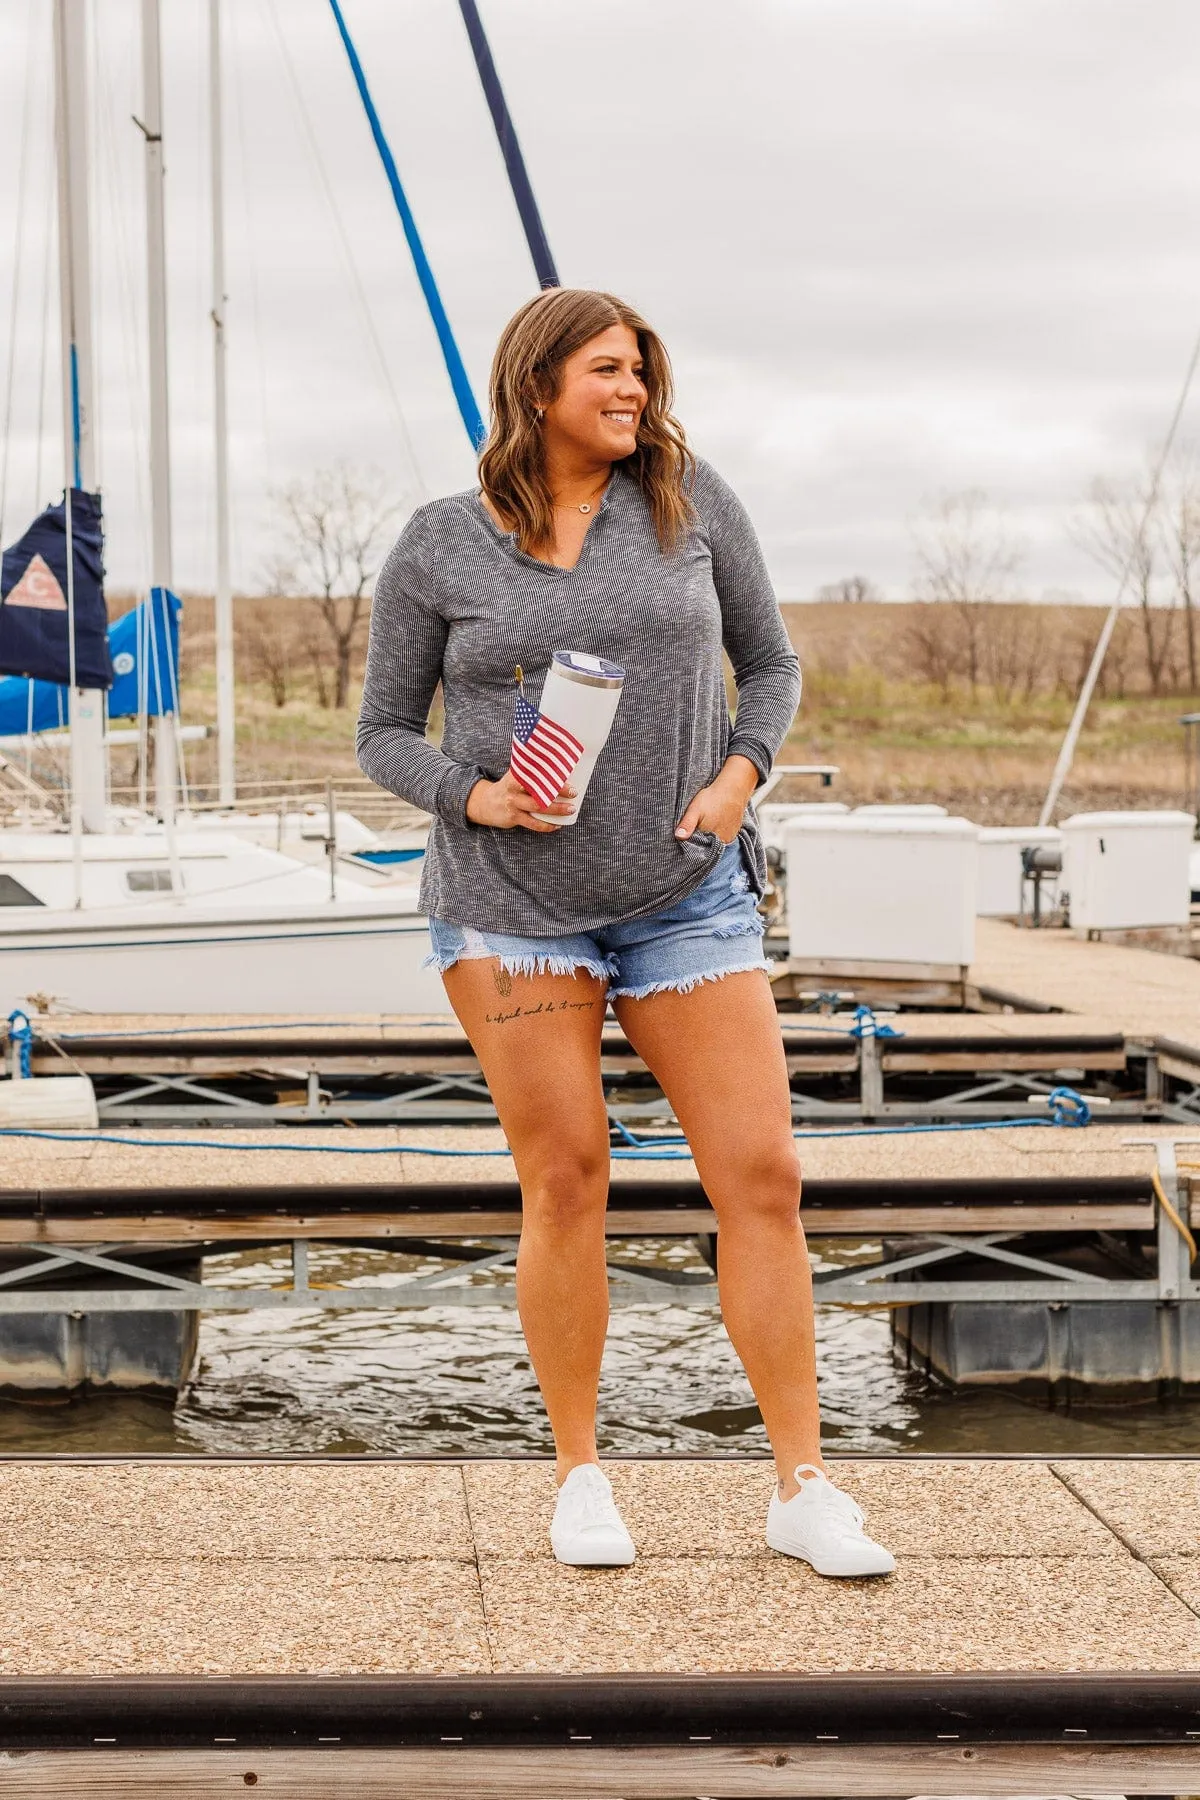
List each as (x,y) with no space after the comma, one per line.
(305,965)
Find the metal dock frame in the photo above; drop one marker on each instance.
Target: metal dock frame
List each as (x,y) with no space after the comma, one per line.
(438,1218)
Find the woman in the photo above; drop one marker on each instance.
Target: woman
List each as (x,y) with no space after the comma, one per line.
(596,530)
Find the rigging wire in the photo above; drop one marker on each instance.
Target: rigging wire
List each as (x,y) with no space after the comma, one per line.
(351,264)
(18,258)
(246,191)
(48,244)
(1066,755)
(135,379)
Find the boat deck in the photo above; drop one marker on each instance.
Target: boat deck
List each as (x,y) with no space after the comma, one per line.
(326,1568)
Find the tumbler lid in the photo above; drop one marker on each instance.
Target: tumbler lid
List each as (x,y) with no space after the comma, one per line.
(593,671)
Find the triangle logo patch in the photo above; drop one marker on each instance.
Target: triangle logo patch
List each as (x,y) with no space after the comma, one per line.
(38,587)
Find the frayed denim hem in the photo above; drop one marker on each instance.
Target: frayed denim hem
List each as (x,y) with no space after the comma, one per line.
(535,964)
(688,982)
(751,928)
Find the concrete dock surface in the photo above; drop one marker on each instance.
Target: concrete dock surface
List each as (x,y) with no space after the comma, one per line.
(359,1568)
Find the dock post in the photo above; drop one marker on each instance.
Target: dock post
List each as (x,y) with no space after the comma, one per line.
(870,1076)
(1174,1257)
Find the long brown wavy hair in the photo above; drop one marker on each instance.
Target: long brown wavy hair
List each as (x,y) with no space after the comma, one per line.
(527,374)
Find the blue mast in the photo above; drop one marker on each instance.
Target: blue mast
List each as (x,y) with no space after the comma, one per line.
(514,162)
(459,380)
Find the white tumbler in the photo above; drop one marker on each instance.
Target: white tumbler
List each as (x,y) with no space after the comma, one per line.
(581,693)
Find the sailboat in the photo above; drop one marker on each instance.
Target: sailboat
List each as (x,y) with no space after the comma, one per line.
(128,912)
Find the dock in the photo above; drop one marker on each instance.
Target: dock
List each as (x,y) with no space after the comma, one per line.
(1123,1022)
(890,1113)
(379,1627)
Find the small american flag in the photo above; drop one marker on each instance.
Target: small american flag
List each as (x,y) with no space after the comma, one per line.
(543,753)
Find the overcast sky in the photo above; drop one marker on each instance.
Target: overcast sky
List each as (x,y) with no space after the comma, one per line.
(895,247)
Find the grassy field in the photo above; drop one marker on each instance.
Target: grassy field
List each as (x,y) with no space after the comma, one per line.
(887,698)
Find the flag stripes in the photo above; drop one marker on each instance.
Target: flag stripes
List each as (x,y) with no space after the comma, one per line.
(543,753)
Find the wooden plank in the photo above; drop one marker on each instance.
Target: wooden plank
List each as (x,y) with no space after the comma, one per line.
(861,969)
(658,1772)
(280,1226)
(1000,1060)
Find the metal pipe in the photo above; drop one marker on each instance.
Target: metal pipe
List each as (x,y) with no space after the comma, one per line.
(161,571)
(85,706)
(223,598)
(1021,1706)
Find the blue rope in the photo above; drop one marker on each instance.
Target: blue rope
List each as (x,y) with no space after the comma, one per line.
(20,1036)
(459,379)
(866,1025)
(1066,1108)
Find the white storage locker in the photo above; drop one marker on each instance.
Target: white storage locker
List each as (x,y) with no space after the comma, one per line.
(882,888)
(775,817)
(1000,847)
(917,810)
(1127,869)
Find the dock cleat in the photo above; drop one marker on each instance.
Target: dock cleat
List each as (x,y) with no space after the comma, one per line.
(587,1530)
(824,1527)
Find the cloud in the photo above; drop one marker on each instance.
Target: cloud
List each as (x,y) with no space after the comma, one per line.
(893,250)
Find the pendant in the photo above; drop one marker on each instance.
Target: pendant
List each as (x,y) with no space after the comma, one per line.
(586,507)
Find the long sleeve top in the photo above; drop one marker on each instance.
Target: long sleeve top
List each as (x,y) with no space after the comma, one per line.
(458,602)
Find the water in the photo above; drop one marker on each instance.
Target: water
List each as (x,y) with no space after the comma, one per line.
(447,1382)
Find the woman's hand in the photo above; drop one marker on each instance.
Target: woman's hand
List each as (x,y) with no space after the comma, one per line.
(505,803)
(721,807)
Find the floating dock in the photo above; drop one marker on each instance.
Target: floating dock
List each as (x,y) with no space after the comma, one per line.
(1089,1231)
(1126,1022)
(382,1628)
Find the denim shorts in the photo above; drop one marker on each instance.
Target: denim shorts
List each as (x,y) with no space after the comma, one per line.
(715,930)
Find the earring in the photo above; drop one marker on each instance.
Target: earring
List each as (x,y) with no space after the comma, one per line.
(541,413)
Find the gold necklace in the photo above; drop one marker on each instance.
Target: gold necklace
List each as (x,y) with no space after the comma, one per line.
(586,505)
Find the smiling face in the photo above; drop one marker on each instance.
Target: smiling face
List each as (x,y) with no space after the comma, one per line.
(600,400)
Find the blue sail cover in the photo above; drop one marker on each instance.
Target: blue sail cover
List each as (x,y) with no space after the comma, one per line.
(34,636)
(144,647)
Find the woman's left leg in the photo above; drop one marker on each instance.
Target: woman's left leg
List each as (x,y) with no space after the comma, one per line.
(717,1054)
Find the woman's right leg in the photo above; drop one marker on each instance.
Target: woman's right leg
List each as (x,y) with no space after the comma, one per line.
(537,1038)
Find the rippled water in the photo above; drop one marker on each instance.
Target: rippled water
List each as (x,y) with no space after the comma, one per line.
(457,1382)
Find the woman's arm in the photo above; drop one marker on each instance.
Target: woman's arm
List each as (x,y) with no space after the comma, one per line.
(404,666)
(765,667)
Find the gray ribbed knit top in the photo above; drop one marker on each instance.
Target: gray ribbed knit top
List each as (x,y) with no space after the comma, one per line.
(458,602)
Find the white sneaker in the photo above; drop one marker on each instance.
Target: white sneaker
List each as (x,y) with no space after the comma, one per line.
(824,1527)
(587,1530)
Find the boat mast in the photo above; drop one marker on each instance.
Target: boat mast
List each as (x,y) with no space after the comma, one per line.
(223,602)
(510,149)
(160,447)
(86,709)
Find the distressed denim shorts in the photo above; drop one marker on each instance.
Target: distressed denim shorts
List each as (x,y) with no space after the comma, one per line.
(715,930)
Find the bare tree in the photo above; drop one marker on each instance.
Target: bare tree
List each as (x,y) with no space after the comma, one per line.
(1122,530)
(851,588)
(265,644)
(966,556)
(337,526)
(1013,651)
(1180,506)
(933,649)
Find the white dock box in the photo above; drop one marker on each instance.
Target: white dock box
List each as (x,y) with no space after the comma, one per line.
(902,810)
(1000,848)
(775,817)
(1127,869)
(882,888)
